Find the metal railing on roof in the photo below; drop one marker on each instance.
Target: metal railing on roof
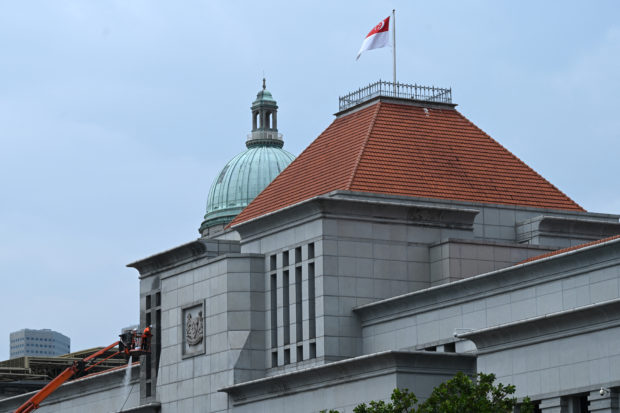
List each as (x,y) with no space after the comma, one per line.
(395,90)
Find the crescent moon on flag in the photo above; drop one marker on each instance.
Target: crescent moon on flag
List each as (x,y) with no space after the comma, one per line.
(379,26)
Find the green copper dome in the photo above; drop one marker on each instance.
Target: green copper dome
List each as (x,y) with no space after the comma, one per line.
(264,96)
(244,177)
(248,173)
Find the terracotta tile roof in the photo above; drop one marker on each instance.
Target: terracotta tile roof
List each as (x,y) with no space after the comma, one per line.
(573,248)
(400,149)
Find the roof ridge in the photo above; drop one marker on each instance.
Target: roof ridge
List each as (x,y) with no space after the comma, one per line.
(363,148)
(520,160)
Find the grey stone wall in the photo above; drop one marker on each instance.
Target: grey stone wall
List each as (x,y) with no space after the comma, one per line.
(372,247)
(536,226)
(362,253)
(365,261)
(229,290)
(284,306)
(293,282)
(345,384)
(431,317)
(569,353)
(551,327)
(454,259)
(182,259)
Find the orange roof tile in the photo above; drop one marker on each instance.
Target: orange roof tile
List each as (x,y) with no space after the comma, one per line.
(573,248)
(401,149)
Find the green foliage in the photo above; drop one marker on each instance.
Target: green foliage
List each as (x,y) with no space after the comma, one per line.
(402,402)
(460,394)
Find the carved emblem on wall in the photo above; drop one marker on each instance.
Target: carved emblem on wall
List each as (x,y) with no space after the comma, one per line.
(193,329)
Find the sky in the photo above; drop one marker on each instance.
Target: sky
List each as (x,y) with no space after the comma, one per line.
(115,116)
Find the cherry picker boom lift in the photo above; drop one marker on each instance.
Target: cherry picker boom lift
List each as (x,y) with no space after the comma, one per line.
(131,343)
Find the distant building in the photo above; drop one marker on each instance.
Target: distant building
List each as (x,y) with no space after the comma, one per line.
(129,328)
(41,343)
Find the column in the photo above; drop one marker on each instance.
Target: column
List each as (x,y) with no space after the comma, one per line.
(606,403)
(553,405)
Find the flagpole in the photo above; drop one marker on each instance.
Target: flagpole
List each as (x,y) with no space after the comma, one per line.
(394,45)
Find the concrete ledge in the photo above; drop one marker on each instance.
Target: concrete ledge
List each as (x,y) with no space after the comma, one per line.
(145,408)
(508,279)
(303,210)
(199,248)
(362,206)
(545,328)
(486,242)
(359,368)
(97,384)
(586,228)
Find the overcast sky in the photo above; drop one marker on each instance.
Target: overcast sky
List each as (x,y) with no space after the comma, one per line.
(115,116)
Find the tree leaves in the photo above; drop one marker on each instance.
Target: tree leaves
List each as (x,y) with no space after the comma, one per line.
(461,394)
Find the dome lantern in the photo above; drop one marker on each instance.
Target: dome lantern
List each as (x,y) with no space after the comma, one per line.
(264,121)
(248,173)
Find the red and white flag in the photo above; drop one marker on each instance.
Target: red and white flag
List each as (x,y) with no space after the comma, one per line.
(378,37)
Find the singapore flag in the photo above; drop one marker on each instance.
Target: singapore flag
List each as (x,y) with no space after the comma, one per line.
(378,37)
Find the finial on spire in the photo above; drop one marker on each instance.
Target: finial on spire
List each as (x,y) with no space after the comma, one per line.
(264,86)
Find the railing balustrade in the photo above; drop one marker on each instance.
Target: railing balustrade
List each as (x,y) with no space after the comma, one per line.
(395,90)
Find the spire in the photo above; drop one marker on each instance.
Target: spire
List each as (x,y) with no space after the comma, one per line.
(264,121)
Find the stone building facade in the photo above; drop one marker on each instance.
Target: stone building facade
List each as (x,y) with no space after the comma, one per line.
(402,246)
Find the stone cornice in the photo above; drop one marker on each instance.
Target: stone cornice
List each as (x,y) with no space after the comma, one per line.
(588,227)
(349,370)
(487,242)
(385,208)
(266,221)
(185,266)
(562,324)
(200,248)
(496,282)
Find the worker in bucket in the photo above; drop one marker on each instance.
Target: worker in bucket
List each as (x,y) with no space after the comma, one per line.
(146,335)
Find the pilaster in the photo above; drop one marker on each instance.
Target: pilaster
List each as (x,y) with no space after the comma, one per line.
(554,405)
(606,403)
